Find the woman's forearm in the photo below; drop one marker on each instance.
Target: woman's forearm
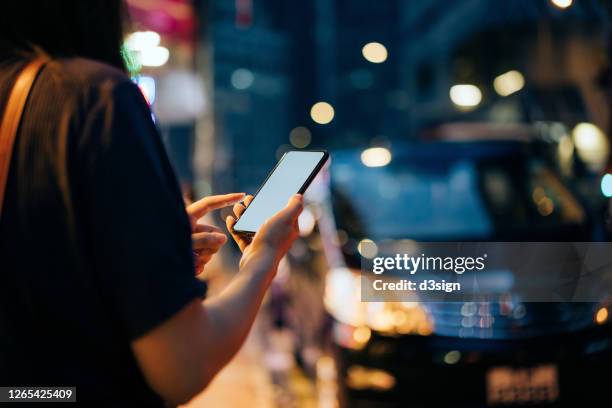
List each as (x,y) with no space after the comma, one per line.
(182,355)
(232,312)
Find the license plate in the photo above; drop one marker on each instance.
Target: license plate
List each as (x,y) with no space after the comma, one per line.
(507,385)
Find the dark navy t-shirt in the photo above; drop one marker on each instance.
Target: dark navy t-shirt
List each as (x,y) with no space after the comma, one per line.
(85,273)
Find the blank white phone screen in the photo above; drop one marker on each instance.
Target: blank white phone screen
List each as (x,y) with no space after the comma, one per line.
(289,176)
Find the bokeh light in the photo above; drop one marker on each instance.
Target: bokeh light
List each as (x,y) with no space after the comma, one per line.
(509,83)
(362,378)
(322,113)
(367,248)
(242,79)
(601,316)
(153,57)
(146,49)
(562,4)
(142,40)
(375,52)
(362,334)
(606,185)
(147,86)
(465,95)
(591,145)
(452,357)
(376,157)
(300,137)
(545,206)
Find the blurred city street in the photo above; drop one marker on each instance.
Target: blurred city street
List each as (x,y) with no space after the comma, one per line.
(242,383)
(422,191)
(447,123)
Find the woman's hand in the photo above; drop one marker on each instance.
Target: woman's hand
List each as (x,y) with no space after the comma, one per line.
(207,239)
(214,330)
(239,208)
(275,236)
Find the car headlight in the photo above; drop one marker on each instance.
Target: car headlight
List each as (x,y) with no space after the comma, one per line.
(343,302)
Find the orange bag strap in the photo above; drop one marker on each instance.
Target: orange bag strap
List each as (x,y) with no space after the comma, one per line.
(12,118)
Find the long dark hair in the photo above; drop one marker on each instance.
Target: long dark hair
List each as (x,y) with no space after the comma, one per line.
(85,28)
(65,28)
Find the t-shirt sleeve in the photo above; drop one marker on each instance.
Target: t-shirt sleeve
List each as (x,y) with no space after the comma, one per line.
(141,247)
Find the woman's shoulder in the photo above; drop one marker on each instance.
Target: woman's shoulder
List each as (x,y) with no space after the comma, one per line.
(84,81)
(88,72)
(92,86)
(97,97)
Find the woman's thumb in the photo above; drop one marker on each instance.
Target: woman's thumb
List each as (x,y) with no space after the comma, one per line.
(293,208)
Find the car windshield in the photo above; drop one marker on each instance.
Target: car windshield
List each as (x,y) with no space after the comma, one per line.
(420,200)
(449,198)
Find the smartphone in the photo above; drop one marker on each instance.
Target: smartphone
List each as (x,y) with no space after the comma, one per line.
(292,175)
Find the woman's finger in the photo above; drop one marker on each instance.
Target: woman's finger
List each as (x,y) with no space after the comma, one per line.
(239,208)
(203,240)
(206,228)
(210,203)
(206,251)
(200,260)
(204,258)
(293,209)
(229,223)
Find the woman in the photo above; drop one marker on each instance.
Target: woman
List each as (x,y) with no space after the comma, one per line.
(96,249)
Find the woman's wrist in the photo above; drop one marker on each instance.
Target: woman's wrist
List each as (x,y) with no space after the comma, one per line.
(260,259)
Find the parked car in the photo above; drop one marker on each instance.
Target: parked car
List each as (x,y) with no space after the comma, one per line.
(456,353)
